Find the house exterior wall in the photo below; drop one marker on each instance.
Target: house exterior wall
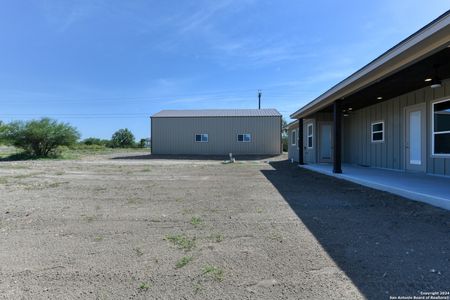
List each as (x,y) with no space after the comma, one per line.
(172,135)
(293,149)
(309,153)
(357,145)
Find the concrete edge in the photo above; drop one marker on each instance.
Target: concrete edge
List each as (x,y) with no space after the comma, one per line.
(420,197)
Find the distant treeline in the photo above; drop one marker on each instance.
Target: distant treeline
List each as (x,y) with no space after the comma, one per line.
(42,138)
(122,138)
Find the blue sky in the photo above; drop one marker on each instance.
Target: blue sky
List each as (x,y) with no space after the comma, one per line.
(105,65)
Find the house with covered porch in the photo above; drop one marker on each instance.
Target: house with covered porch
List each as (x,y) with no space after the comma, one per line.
(394,113)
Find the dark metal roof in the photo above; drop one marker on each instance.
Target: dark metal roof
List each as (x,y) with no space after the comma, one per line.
(198,113)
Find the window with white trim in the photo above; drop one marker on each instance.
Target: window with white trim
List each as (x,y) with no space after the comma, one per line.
(441,127)
(293,138)
(201,138)
(245,137)
(377,132)
(309,135)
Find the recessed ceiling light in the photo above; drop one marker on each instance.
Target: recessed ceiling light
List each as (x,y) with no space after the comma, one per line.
(379,98)
(428,79)
(436,83)
(350,108)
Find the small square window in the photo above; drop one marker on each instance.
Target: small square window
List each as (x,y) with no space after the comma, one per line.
(441,112)
(377,127)
(310,129)
(377,136)
(245,137)
(441,127)
(442,143)
(378,132)
(201,138)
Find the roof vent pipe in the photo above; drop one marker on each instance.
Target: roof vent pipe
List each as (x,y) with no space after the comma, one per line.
(259,99)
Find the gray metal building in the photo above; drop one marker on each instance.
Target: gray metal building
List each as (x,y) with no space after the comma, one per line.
(393,113)
(217,132)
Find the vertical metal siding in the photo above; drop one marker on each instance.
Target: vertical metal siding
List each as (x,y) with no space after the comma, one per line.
(319,117)
(391,153)
(177,135)
(292,149)
(309,154)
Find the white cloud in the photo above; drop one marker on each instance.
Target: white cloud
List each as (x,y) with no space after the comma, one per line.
(256,52)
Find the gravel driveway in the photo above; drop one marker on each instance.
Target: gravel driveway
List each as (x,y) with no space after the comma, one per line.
(139,227)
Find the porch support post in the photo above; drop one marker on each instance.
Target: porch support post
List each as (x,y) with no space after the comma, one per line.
(337,141)
(300,142)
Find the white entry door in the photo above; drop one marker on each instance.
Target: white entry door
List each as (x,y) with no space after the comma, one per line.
(415,138)
(325,142)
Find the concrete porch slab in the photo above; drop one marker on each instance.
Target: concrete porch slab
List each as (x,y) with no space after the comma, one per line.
(430,189)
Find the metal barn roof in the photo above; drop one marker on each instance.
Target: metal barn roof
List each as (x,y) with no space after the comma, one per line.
(267,112)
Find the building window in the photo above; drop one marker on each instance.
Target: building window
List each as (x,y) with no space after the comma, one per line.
(441,127)
(201,138)
(378,132)
(309,135)
(293,138)
(246,137)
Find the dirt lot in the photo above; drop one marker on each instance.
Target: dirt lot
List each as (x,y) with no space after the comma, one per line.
(145,228)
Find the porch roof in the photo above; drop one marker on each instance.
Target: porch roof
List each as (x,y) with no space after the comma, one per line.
(291,124)
(401,69)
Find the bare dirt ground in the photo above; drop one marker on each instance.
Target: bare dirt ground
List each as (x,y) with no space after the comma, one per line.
(137,227)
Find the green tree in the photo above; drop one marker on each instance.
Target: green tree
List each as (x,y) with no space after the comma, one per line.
(142,143)
(39,137)
(95,141)
(2,129)
(122,138)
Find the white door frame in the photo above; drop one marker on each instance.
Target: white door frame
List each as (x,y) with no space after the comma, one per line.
(422,167)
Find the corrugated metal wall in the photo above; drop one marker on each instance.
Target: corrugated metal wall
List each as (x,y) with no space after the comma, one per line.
(358,148)
(177,135)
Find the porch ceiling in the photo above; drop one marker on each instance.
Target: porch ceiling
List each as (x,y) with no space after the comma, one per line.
(409,79)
